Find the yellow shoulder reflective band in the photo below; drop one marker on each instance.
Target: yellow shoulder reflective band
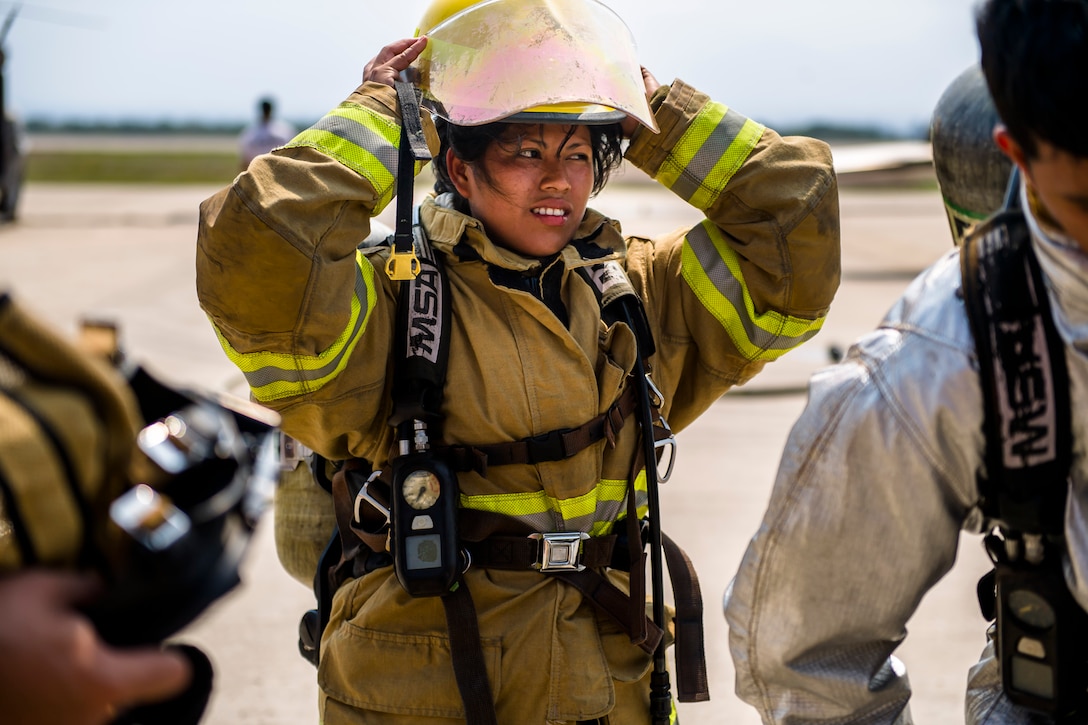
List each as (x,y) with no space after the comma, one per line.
(272,376)
(361,139)
(711,269)
(709,153)
(594,512)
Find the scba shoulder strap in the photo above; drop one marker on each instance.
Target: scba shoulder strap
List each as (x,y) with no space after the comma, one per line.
(1024,378)
(1041,631)
(421,345)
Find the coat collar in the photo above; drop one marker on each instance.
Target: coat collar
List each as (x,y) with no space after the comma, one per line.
(598,238)
(1065,265)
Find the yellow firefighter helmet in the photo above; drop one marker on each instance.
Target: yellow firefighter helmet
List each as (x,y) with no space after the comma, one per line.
(438,11)
(529,61)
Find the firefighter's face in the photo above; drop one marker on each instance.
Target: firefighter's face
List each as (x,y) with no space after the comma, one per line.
(1059,181)
(531,188)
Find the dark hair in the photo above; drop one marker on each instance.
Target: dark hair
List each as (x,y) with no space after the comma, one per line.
(469,143)
(1035,59)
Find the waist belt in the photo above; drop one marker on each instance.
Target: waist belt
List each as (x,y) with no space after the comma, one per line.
(578,566)
(556,445)
(547,553)
(573,557)
(486,538)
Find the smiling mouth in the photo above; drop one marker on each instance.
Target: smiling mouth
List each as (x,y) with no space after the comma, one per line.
(549,211)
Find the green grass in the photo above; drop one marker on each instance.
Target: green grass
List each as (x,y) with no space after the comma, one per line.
(147,167)
(220,167)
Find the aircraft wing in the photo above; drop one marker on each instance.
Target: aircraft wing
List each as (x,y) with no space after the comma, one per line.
(881,156)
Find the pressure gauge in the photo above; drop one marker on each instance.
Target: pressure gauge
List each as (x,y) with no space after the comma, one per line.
(421,489)
(1031,609)
(424,542)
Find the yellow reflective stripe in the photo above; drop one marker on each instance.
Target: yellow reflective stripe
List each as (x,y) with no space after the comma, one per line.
(272,375)
(594,512)
(710,152)
(361,139)
(712,270)
(601,528)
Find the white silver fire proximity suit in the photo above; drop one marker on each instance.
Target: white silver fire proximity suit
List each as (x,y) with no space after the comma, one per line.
(877,480)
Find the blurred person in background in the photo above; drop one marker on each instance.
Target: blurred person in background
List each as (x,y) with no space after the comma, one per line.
(263,135)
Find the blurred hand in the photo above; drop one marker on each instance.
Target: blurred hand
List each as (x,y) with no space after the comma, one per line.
(629,124)
(386,67)
(55,669)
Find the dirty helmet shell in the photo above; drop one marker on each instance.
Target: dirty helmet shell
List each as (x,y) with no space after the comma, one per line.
(530,61)
(972,172)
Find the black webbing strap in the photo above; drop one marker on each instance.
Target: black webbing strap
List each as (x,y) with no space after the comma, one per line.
(610,284)
(468,657)
(616,605)
(691,680)
(422,342)
(413,147)
(556,445)
(639,625)
(520,553)
(493,540)
(1024,378)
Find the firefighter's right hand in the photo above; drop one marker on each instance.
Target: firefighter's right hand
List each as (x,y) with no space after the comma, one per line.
(54,668)
(651,84)
(386,67)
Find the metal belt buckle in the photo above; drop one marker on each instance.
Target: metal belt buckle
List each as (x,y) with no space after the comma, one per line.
(561,551)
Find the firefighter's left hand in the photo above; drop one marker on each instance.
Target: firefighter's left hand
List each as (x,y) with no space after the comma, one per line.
(55,669)
(629,124)
(385,68)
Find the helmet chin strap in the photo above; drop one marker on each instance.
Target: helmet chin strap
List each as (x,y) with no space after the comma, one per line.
(403,263)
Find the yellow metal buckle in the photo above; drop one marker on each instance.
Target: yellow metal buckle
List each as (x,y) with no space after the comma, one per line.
(402,265)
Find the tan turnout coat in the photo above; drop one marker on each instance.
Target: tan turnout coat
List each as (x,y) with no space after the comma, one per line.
(310,319)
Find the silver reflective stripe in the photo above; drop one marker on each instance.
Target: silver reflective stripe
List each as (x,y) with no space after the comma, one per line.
(719,274)
(607,511)
(709,155)
(360,135)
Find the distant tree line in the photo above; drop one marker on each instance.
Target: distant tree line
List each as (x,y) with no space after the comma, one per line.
(844,133)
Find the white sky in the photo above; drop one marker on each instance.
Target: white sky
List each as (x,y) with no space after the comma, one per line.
(882,62)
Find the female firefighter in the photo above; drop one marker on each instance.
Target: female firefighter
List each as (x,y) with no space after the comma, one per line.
(535,103)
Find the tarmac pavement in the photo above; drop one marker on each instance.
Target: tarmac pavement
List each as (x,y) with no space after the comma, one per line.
(126,253)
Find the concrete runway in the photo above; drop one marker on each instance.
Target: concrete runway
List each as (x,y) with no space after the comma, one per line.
(126,253)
